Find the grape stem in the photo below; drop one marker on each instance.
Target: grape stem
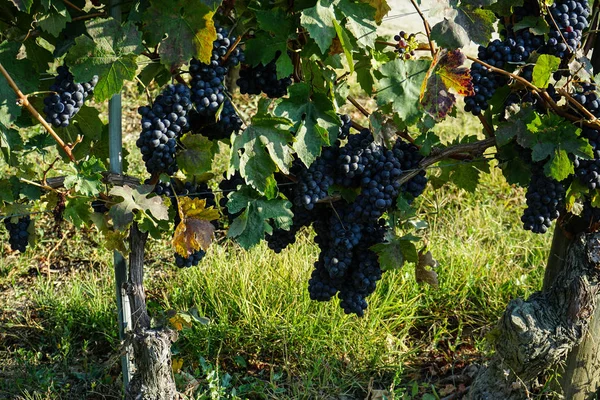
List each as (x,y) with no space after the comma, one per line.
(73,6)
(577,104)
(487,128)
(88,16)
(426,25)
(593,123)
(358,106)
(231,49)
(24,102)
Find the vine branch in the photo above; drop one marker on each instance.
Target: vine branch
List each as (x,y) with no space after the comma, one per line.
(426,25)
(25,103)
(358,106)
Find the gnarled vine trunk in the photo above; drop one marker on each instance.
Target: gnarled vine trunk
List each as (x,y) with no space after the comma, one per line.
(153,376)
(551,326)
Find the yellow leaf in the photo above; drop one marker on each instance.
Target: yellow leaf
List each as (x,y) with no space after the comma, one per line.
(381,9)
(196,208)
(179,322)
(192,235)
(176,364)
(204,39)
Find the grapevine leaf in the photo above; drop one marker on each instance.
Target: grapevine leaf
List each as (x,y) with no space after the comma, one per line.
(515,170)
(250,226)
(359,17)
(109,52)
(449,34)
(424,274)
(536,25)
(195,231)
(478,23)
(517,127)
(39,56)
(544,67)
(55,19)
(401,87)
(135,199)
(263,49)
(21,72)
(78,211)
(505,8)
(318,21)
(559,167)
(555,140)
(381,9)
(344,42)
(23,5)
(87,177)
(260,150)
(393,254)
(6,191)
(318,123)
(116,240)
(87,124)
(446,72)
(10,141)
(189,28)
(196,158)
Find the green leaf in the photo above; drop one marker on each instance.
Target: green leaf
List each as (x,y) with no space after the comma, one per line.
(318,21)
(78,211)
(110,52)
(260,150)
(401,87)
(317,124)
(393,254)
(189,29)
(359,21)
(516,126)
(55,19)
(449,35)
(250,227)
(536,25)
(21,72)
(544,67)
(477,22)
(135,199)
(559,167)
(263,48)
(87,177)
(38,55)
(10,142)
(197,156)
(345,43)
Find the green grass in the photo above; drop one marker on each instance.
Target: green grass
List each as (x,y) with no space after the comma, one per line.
(265,337)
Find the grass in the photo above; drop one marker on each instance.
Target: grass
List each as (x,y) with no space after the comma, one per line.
(265,337)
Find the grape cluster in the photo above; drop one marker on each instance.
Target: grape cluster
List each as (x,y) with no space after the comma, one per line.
(263,78)
(567,20)
(18,236)
(346,230)
(588,171)
(346,265)
(406,44)
(545,199)
(207,83)
(68,98)
(161,125)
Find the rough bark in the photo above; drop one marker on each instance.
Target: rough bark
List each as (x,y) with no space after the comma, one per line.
(153,376)
(536,334)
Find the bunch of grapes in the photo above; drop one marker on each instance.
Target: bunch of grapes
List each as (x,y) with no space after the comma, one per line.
(545,199)
(161,125)
(345,128)
(207,83)
(18,236)
(567,20)
(588,171)
(263,78)
(68,97)
(406,44)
